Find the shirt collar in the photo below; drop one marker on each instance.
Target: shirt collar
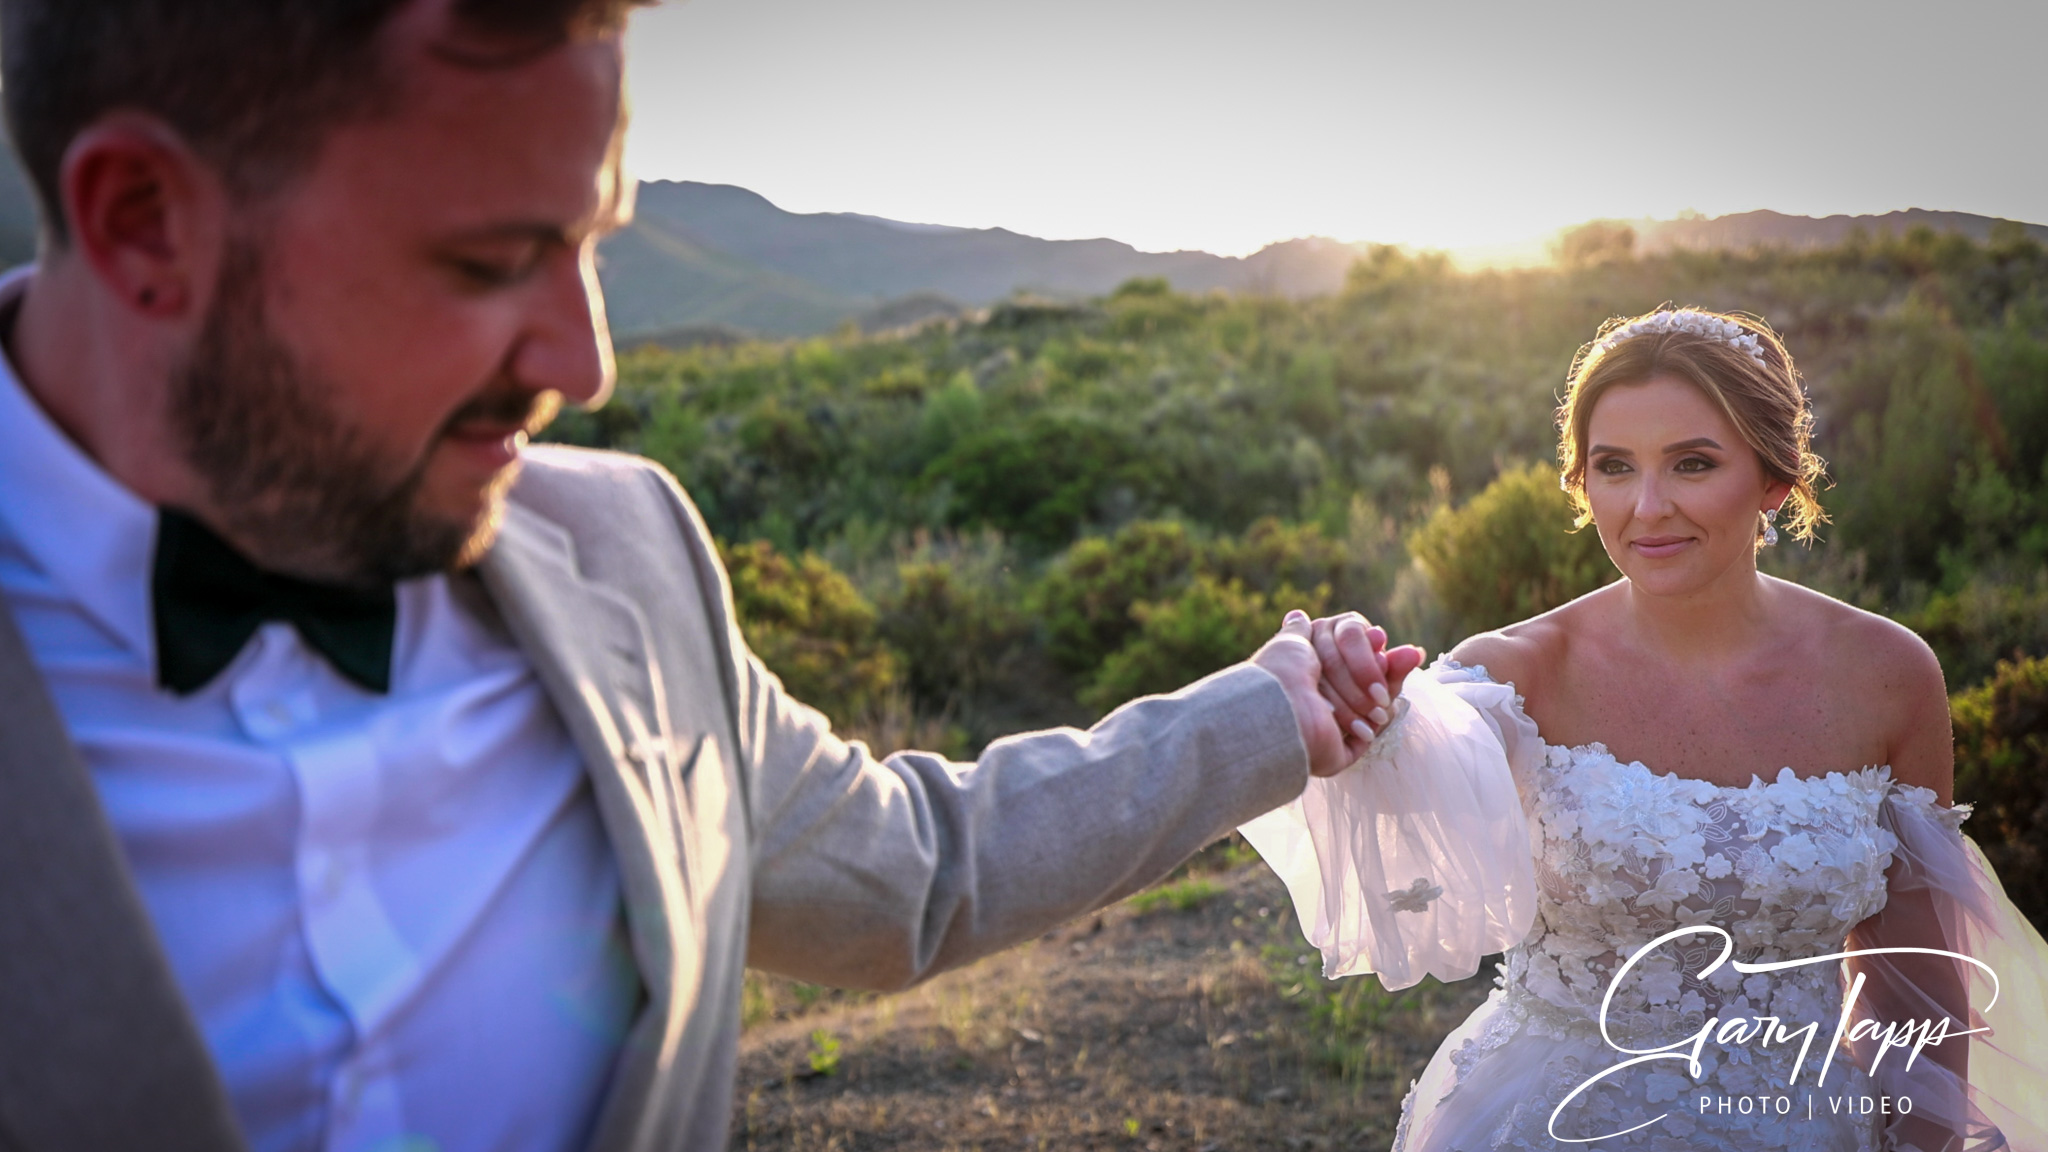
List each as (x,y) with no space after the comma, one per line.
(90,535)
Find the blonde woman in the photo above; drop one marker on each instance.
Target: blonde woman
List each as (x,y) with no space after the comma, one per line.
(1674,802)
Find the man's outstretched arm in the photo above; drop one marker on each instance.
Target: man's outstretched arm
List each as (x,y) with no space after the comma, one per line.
(880,872)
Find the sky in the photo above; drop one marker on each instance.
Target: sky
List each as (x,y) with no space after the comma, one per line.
(1227,126)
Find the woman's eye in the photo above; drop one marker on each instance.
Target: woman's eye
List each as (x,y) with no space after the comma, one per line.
(1694,464)
(1611,467)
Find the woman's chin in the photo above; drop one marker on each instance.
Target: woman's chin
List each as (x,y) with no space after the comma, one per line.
(1688,576)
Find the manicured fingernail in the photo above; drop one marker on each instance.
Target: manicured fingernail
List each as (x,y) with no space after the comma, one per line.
(1379,694)
(1362,728)
(1379,717)
(1293,615)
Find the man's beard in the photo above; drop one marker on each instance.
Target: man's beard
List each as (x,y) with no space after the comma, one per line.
(294,481)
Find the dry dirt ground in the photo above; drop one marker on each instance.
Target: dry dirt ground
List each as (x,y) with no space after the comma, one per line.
(1190,1017)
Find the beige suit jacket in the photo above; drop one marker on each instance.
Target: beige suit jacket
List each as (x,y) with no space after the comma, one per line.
(746,832)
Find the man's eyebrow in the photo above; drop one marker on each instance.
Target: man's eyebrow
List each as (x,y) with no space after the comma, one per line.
(538,231)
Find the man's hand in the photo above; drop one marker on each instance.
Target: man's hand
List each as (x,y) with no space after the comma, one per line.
(1335,732)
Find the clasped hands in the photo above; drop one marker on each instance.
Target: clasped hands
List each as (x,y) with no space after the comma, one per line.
(1341,678)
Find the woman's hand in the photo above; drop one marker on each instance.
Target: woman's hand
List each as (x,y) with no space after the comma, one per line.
(1328,676)
(1348,645)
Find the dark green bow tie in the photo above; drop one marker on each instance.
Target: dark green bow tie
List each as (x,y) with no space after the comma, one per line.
(208,601)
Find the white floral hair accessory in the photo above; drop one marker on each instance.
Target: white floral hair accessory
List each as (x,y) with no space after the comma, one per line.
(1689,321)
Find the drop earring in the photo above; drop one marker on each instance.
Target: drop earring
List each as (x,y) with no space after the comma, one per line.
(1770,527)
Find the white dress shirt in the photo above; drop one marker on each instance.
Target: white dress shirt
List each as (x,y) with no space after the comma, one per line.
(396,918)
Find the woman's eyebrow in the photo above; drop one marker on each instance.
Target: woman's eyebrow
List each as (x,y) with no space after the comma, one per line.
(1599,449)
(1695,442)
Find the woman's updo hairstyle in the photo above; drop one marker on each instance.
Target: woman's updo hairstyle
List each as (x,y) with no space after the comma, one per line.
(1737,361)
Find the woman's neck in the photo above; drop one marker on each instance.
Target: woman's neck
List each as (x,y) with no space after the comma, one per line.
(1721,622)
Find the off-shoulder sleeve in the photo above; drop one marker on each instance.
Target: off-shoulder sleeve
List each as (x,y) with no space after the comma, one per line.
(1416,860)
(1943,895)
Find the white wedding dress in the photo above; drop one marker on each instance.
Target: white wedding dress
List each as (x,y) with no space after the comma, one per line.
(1463,834)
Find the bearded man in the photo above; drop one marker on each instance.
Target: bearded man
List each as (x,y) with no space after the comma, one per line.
(369,779)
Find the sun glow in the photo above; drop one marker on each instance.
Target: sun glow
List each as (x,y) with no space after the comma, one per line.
(1187,124)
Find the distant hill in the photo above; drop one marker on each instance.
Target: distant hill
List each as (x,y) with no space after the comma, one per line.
(1775,229)
(716,254)
(715,262)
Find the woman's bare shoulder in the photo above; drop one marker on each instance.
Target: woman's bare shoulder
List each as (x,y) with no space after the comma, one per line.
(1891,677)
(1525,652)
(1879,656)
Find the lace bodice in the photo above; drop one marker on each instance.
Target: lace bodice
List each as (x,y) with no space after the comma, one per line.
(1625,855)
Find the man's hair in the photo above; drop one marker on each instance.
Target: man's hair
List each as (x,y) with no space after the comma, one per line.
(252,85)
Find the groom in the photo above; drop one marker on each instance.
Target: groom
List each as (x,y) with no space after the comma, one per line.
(368,778)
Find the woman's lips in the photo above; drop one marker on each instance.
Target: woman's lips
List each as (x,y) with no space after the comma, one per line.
(1658,547)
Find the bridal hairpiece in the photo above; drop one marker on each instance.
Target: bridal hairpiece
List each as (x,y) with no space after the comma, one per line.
(1689,321)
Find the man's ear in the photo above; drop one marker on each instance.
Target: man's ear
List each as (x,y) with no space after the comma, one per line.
(144,212)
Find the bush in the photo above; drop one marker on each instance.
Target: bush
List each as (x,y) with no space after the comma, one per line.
(1509,553)
(2002,768)
(810,626)
(1038,480)
(1984,621)
(1208,625)
(1087,594)
(960,637)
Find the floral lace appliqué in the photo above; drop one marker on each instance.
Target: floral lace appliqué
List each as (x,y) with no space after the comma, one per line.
(1625,855)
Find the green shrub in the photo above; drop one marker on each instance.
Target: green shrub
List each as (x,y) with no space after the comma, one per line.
(1982,622)
(1087,594)
(1040,479)
(960,636)
(810,626)
(1509,553)
(2002,768)
(1208,625)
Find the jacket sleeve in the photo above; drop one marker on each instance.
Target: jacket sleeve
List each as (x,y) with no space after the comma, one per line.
(879,872)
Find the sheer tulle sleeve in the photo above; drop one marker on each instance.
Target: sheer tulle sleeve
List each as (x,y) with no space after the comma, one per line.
(1416,860)
(1942,895)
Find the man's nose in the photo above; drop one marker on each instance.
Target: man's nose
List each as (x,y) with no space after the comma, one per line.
(567,345)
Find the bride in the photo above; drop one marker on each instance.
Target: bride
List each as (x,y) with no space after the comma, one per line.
(1674,802)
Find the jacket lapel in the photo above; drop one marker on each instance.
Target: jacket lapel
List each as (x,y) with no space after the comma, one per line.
(100,1048)
(591,650)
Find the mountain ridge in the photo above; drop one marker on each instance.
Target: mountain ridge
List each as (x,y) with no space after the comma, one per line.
(814,271)
(719,261)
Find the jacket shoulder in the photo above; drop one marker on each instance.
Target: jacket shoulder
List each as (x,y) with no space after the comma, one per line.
(590,493)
